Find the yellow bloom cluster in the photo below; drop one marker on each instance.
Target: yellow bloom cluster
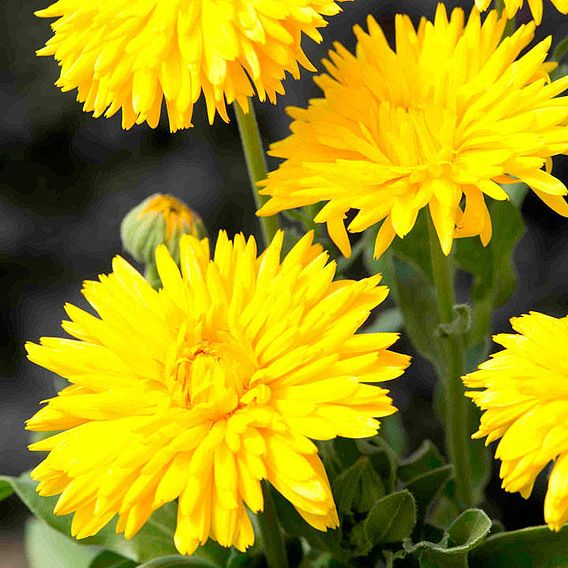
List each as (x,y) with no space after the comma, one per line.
(525,404)
(204,388)
(441,121)
(130,56)
(536,6)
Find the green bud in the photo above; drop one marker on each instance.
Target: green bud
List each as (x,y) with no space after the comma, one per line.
(159,219)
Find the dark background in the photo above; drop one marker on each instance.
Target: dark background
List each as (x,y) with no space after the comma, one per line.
(67,180)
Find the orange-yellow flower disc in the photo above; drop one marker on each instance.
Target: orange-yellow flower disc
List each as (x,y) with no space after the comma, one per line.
(536,6)
(130,56)
(202,389)
(525,404)
(440,121)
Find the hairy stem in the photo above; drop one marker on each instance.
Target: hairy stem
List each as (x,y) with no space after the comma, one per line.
(256,165)
(452,349)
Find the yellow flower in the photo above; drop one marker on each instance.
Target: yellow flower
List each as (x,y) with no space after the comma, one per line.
(131,55)
(203,389)
(525,403)
(513,6)
(441,122)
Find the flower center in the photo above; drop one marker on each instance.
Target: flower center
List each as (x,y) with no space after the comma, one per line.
(213,376)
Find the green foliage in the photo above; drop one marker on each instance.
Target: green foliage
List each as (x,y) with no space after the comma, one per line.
(388,320)
(492,267)
(424,459)
(427,486)
(177,561)
(560,50)
(460,324)
(463,535)
(391,519)
(154,539)
(107,559)
(6,488)
(407,272)
(534,547)
(47,548)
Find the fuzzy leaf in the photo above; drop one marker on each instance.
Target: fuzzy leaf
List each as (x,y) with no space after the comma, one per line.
(533,547)
(427,486)
(464,534)
(492,267)
(46,548)
(154,539)
(424,459)
(411,288)
(391,519)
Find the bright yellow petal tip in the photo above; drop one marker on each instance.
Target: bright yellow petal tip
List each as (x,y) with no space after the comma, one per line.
(202,389)
(536,7)
(524,399)
(132,56)
(439,121)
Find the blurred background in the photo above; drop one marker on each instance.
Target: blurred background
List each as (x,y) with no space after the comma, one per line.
(67,180)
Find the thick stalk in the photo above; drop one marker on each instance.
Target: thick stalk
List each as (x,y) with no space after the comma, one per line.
(272,539)
(456,418)
(256,165)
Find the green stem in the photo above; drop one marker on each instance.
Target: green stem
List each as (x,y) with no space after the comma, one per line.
(256,165)
(272,539)
(457,435)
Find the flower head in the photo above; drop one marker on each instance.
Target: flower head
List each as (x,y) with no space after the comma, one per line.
(158,219)
(203,389)
(440,121)
(525,403)
(129,56)
(513,6)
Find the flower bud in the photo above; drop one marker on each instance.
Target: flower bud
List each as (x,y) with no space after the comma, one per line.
(159,219)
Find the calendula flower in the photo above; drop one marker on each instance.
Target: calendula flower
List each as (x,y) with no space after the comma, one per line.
(440,122)
(203,389)
(130,56)
(525,404)
(513,6)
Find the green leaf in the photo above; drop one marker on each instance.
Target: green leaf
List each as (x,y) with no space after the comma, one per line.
(107,559)
(393,433)
(294,525)
(427,486)
(6,489)
(388,320)
(560,50)
(391,557)
(469,529)
(460,324)
(391,519)
(176,561)
(492,266)
(383,459)
(464,534)
(46,548)
(516,192)
(346,485)
(416,299)
(154,539)
(534,547)
(424,459)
